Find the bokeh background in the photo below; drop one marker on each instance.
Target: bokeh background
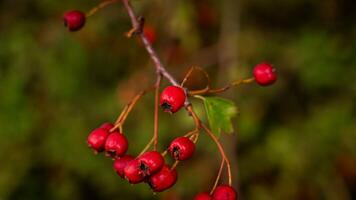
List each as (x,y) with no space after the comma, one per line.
(293,140)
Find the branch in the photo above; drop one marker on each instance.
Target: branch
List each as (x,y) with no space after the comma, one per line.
(161,70)
(158,64)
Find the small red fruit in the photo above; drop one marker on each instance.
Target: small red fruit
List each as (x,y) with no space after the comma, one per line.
(224,192)
(264,74)
(97,138)
(150,162)
(133,172)
(108,126)
(163,179)
(181,148)
(74,20)
(150,34)
(121,163)
(116,144)
(172,99)
(203,196)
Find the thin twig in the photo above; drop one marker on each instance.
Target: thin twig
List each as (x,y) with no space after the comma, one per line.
(175,164)
(209,90)
(218,176)
(221,149)
(121,119)
(100,6)
(155,128)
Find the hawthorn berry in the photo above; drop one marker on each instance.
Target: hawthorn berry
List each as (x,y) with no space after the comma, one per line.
(203,196)
(181,148)
(74,20)
(172,99)
(97,138)
(163,179)
(265,74)
(120,164)
(150,162)
(224,192)
(133,172)
(107,126)
(116,144)
(150,34)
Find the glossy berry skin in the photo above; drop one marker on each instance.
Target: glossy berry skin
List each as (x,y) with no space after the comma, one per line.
(150,162)
(264,74)
(97,138)
(133,172)
(172,99)
(224,192)
(74,20)
(163,179)
(116,144)
(107,126)
(203,196)
(181,148)
(120,164)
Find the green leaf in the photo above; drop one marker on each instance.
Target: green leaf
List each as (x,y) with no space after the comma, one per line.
(219,112)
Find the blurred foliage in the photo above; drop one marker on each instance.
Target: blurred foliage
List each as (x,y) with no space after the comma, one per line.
(296,139)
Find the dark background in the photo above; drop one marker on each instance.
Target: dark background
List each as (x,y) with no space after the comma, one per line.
(293,140)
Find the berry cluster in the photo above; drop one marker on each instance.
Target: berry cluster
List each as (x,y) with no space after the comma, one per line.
(150,166)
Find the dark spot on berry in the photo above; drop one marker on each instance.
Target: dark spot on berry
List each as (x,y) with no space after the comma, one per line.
(144,169)
(166,107)
(176,152)
(111,153)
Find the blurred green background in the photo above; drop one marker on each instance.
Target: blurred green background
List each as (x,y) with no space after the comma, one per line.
(293,140)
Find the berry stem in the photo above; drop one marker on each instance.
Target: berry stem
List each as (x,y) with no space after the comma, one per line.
(191,133)
(154,139)
(100,6)
(218,176)
(209,90)
(121,119)
(221,149)
(187,76)
(148,145)
(175,164)
(155,128)
(215,139)
(195,137)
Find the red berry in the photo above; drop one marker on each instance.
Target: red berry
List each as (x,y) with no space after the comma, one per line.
(108,126)
(264,74)
(224,192)
(116,144)
(181,148)
(121,163)
(163,179)
(96,139)
(150,34)
(150,162)
(133,172)
(203,196)
(172,99)
(74,20)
